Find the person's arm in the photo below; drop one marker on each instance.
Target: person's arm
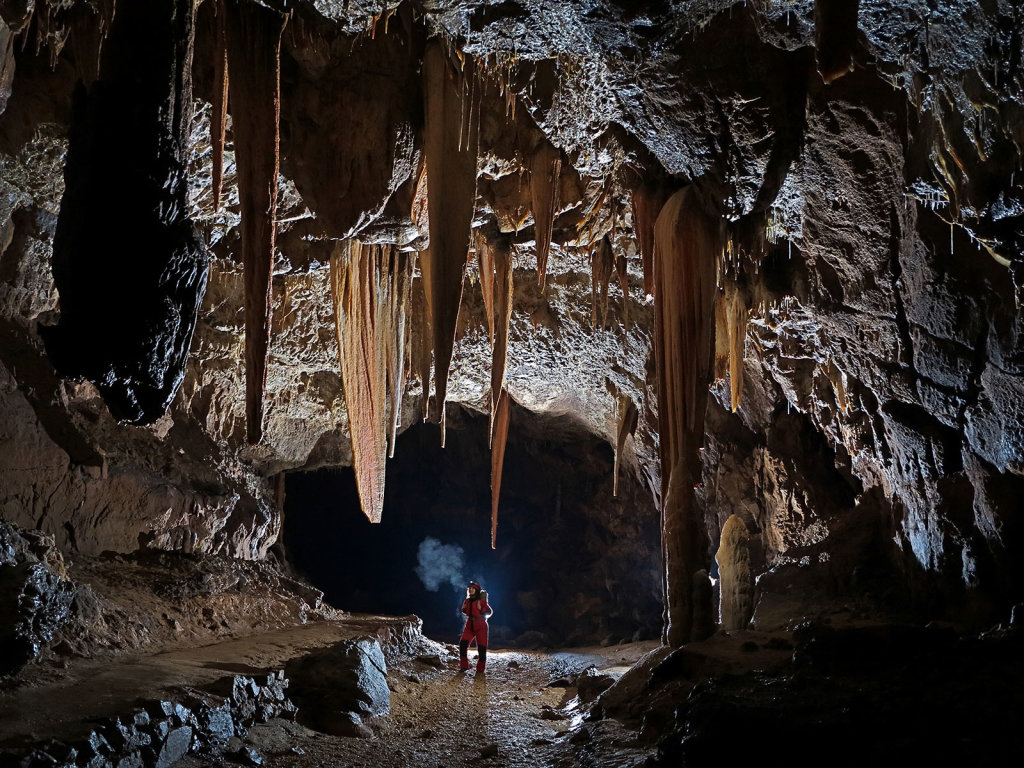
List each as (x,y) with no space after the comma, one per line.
(465,606)
(485,608)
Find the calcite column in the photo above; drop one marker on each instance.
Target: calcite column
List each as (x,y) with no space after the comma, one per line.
(686,253)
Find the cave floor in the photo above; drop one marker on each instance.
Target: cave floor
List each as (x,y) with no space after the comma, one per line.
(509,716)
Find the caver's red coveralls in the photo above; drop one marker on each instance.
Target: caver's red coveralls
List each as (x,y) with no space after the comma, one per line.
(477,610)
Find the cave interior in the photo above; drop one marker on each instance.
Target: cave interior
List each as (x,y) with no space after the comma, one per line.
(690,329)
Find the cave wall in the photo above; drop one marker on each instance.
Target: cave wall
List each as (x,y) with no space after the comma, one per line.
(876,454)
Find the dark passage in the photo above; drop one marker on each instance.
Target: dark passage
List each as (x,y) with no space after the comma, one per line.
(573,566)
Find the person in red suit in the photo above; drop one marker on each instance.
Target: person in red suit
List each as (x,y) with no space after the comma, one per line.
(477,610)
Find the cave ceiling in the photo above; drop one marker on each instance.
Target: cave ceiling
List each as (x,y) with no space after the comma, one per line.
(854,169)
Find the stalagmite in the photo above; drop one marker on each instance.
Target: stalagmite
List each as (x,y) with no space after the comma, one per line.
(835,36)
(602,263)
(737,585)
(502,253)
(219,107)
(626,418)
(501,418)
(485,261)
(368,285)
(620,271)
(545,169)
(686,252)
(254,56)
(450,143)
(646,204)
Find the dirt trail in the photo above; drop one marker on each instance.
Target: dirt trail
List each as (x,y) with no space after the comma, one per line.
(509,716)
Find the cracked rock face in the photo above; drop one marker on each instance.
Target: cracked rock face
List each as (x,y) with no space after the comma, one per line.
(876,225)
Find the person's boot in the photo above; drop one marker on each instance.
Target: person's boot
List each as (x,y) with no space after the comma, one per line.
(463,655)
(481,660)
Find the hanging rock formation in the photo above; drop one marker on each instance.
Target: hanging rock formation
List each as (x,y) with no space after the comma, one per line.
(499,437)
(731,314)
(368,283)
(686,252)
(450,143)
(130,289)
(545,172)
(626,418)
(254,58)
(647,203)
(503,284)
(602,263)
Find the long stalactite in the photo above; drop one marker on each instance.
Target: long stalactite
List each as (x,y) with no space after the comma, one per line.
(254,57)
(369,289)
(731,317)
(626,416)
(545,170)
(485,262)
(451,136)
(686,252)
(602,264)
(501,252)
(646,203)
(500,438)
(398,299)
(620,271)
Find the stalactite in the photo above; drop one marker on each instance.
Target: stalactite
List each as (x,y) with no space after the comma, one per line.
(219,111)
(368,285)
(254,57)
(647,203)
(485,262)
(421,320)
(626,419)
(686,249)
(602,263)
(450,142)
(545,170)
(731,316)
(501,419)
(620,271)
(502,254)
(400,274)
(835,36)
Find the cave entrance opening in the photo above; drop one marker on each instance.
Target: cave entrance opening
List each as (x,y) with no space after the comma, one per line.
(573,565)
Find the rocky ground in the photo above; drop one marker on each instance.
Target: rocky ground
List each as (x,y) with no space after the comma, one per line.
(204,661)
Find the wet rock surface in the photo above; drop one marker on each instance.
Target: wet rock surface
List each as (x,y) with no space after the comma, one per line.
(35,595)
